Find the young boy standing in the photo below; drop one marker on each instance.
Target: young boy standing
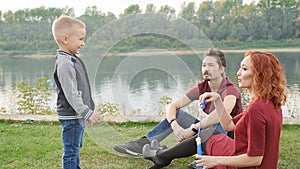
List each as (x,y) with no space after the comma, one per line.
(75,106)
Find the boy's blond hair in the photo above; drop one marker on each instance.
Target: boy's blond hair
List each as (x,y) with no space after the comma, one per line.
(65,25)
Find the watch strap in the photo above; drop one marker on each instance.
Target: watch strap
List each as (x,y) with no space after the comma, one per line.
(194,130)
(171,121)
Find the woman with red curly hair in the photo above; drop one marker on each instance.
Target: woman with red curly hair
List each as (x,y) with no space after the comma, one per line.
(257,130)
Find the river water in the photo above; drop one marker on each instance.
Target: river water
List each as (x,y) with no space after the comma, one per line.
(135,83)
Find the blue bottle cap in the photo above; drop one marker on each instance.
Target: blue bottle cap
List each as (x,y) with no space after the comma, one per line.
(202,105)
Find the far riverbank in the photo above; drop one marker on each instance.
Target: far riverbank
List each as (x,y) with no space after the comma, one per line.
(159,52)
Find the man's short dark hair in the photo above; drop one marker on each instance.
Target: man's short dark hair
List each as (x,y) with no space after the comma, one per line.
(221,58)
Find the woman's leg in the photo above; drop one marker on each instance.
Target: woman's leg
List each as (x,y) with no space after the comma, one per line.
(186,148)
(162,158)
(220,145)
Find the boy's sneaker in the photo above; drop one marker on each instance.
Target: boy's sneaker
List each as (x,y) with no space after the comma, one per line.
(133,148)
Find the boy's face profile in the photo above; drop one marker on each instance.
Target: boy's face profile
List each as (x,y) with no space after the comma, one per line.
(72,43)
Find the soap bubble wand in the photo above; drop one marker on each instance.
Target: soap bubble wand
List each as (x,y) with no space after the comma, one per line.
(198,139)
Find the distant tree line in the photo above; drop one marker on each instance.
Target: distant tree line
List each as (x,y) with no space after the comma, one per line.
(29,30)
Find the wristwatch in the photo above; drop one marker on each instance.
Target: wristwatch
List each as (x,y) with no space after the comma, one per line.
(193,127)
(171,121)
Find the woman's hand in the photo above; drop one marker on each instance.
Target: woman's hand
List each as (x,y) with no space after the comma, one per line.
(209,97)
(240,161)
(206,161)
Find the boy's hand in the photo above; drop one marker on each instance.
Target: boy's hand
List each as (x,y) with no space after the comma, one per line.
(94,118)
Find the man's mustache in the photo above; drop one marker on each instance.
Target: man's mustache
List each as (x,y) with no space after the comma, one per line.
(205,73)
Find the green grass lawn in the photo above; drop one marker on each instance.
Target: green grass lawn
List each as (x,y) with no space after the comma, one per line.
(38,145)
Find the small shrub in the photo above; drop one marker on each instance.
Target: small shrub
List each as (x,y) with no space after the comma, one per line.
(34,99)
(135,112)
(245,98)
(163,102)
(108,109)
(3,110)
(289,41)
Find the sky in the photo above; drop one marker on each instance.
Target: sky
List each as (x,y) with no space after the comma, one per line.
(114,6)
